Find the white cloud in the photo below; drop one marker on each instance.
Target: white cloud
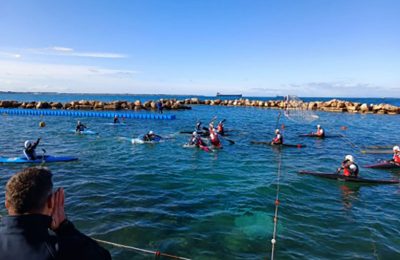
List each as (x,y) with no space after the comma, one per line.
(25,76)
(66,51)
(10,55)
(62,49)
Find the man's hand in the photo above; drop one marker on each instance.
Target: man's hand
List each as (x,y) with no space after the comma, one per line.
(58,213)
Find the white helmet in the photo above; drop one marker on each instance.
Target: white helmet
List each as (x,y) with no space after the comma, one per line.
(27,143)
(151,132)
(277,131)
(396,148)
(194,133)
(79,122)
(349,158)
(318,126)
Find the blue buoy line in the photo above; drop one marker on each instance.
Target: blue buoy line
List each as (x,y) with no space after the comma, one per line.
(80,113)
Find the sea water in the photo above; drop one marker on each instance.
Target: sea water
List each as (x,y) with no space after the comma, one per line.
(219,205)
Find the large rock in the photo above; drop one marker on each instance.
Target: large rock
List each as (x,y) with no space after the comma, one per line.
(195,100)
(56,105)
(42,105)
(364,108)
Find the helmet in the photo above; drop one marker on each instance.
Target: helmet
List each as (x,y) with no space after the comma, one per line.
(277,131)
(151,133)
(79,122)
(396,148)
(194,133)
(349,158)
(318,126)
(27,143)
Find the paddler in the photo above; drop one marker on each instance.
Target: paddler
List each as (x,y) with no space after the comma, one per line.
(196,140)
(349,167)
(320,131)
(80,127)
(220,127)
(214,138)
(29,150)
(151,136)
(396,154)
(198,127)
(116,119)
(278,139)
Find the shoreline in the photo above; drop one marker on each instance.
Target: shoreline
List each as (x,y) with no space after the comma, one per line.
(334,105)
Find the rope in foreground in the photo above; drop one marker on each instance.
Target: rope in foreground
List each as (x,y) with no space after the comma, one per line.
(273,240)
(156,253)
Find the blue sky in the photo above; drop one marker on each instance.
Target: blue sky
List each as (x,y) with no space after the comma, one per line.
(344,48)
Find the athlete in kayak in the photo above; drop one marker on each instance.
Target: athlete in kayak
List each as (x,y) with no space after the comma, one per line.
(278,139)
(396,155)
(220,127)
(151,136)
(320,131)
(196,140)
(198,127)
(116,120)
(80,127)
(349,167)
(29,150)
(214,138)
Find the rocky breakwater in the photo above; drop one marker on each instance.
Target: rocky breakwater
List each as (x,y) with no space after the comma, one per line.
(333,105)
(171,104)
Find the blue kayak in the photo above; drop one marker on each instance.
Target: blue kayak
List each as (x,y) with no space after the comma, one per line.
(140,140)
(40,159)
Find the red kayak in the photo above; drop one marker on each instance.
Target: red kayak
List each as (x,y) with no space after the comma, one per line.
(318,136)
(340,177)
(384,165)
(279,145)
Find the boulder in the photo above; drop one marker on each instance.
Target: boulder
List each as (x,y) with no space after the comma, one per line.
(42,105)
(364,108)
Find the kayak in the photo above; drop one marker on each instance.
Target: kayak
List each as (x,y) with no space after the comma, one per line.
(340,177)
(203,133)
(203,147)
(116,124)
(279,145)
(85,132)
(317,136)
(384,165)
(139,140)
(377,151)
(40,159)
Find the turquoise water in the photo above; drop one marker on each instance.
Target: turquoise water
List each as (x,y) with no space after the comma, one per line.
(220,205)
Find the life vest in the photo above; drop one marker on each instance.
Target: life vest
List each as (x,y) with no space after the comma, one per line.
(220,128)
(396,157)
(320,132)
(214,138)
(278,139)
(349,172)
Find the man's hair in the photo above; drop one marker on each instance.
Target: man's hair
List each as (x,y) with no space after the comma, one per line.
(27,191)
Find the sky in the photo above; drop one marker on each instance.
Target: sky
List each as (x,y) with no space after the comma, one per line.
(313,48)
